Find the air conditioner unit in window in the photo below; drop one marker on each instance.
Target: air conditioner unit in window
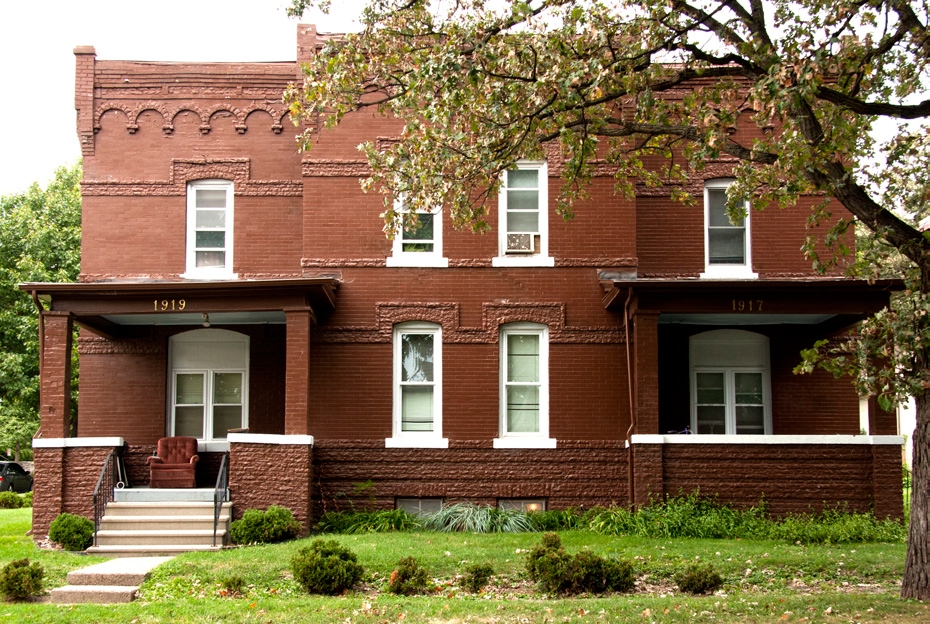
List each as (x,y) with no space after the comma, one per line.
(520,243)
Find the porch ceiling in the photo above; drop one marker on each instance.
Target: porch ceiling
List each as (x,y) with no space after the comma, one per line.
(111,308)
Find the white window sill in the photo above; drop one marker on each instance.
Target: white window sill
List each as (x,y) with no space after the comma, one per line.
(729,272)
(417,260)
(529,260)
(524,443)
(416,442)
(209,275)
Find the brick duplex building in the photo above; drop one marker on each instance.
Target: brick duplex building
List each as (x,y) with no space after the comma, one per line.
(240,292)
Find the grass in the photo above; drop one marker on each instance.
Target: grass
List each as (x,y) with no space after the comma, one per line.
(764,581)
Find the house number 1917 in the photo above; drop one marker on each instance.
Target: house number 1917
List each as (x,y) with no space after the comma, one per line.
(169,305)
(747,305)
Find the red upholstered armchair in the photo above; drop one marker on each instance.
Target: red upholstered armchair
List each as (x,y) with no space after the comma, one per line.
(175,464)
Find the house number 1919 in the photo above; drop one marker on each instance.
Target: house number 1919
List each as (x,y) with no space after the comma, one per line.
(747,305)
(169,305)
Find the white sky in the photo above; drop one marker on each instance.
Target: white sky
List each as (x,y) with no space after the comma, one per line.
(37,41)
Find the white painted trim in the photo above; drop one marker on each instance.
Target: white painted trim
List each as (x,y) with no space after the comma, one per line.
(835,440)
(726,271)
(542,259)
(212,446)
(426,329)
(414,441)
(525,443)
(75,442)
(269,438)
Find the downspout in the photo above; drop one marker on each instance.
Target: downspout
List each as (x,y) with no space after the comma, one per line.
(35,300)
(629,383)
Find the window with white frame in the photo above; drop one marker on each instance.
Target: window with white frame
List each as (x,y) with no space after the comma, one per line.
(419,245)
(417,386)
(208,384)
(730,383)
(523,216)
(727,245)
(419,506)
(210,229)
(524,386)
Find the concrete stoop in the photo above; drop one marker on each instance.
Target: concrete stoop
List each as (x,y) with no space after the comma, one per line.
(134,529)
(110,582)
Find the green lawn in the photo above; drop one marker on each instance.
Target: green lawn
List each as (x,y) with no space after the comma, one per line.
(764,582)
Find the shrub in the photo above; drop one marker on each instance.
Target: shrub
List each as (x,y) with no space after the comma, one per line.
(10,500)
(72,532)
(326,567)
(27,499)
(476,577)
(381,521)
(699,579)
(277,524)
(233,586)
(557,520)
(471,518)
(21,579)
(558,572)
(408,578)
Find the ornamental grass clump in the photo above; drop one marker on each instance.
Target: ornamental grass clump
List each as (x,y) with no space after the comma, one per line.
(71,532)
(408,578)
(277,524)
(355,522)
(558,572)
(20,579)
(326,567)
(471,518)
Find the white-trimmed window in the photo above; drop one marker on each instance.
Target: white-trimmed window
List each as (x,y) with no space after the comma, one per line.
(523,216)
(524,387)
(417,386)
(208,384)
(210,230)
(727,245)
(730,383)
(522,504)
(420,246)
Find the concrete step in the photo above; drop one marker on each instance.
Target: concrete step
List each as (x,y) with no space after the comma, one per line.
(116,572)
(151,523)
(163,550)
(97,594)
(174,509)
(160,537)
(144,494)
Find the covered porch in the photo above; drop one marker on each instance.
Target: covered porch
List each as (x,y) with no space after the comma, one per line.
(718,408)
(211,360)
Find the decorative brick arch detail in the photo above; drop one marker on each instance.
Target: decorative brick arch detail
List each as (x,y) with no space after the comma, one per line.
(101,111)
(205,115)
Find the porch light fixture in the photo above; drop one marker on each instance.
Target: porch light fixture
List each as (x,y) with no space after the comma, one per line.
(206,319)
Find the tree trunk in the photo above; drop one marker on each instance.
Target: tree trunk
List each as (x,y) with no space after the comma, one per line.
(916,582)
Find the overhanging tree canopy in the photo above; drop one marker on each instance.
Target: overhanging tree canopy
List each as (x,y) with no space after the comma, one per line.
(653,90)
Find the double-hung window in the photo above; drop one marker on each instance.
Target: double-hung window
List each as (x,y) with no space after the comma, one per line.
(730,383)
(417,420)
(210,230)
(524,387)
(419,245)
(727,245)
(523,216)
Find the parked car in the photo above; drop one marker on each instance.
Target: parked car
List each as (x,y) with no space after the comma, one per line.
(14,477)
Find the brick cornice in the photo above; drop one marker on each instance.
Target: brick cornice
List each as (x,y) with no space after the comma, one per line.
(170,109)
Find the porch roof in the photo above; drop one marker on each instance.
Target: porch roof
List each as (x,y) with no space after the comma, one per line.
(109,308)
(833,303)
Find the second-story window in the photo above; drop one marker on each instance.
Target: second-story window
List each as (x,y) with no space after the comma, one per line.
(419,245)
(727,245)
(210,229)
(523,216)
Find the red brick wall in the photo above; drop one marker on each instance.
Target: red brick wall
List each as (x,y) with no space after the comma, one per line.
(271,474)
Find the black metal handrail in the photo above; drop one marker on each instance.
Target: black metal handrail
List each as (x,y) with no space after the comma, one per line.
(107,481)
(220,493)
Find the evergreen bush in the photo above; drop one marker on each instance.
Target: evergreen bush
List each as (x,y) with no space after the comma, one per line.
(326,567)
(408,578)
(557,572)
(72,532)
(21,579)
(277,524)
(27,499)
(476,576)
(699,579)
(10,500)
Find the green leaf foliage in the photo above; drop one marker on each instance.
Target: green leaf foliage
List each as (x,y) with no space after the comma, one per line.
(40,241)
(326,567)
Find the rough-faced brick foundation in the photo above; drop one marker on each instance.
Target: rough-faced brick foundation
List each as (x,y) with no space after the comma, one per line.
(276,473)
